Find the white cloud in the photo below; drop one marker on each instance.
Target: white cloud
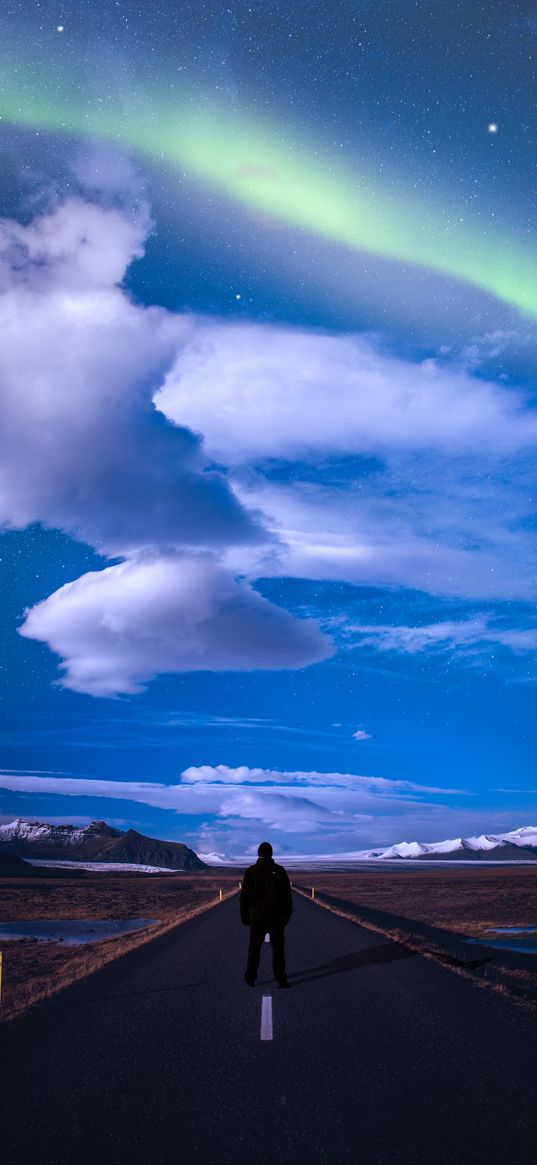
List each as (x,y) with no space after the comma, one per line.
(467,636)
(115,628)
(257,391)
(442,500)
(361,735)
(225,775)
(442,527)
(79,246)
(83,447)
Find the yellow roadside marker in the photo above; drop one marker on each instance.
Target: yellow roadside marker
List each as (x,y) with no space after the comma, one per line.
(313,891)
(221,895)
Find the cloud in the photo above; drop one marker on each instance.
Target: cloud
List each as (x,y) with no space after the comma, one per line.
(79,246)
(467,636)
(444,527)
(259,391)
(293,803)
(115,628)
(400,472)
(361,735)
(225,775)
(83,447)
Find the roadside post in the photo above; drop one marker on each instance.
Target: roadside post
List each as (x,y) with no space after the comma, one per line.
(221,895)
(0,976)
(313,891)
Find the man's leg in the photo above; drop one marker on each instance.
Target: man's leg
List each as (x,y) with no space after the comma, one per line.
(277,942)
(257,934)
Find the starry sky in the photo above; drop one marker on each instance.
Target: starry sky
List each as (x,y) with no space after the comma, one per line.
(268,396)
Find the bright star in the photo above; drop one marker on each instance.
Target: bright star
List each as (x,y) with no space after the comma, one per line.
(492,127)
(59,28)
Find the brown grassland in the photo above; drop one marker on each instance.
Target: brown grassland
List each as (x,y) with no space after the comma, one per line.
(36,970)
(464,901)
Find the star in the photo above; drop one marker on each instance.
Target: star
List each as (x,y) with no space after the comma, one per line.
(59,28)
(492,127)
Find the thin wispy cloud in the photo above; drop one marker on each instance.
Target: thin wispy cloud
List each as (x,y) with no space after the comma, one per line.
(468,637)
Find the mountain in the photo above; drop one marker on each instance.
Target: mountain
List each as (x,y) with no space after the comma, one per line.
(97,842)
(519,845)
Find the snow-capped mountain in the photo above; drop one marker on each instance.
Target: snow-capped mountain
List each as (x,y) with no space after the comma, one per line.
(46,834)
(97,842)
(519,844)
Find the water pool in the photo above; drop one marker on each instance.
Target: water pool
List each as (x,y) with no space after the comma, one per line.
(513,938)
(73,930)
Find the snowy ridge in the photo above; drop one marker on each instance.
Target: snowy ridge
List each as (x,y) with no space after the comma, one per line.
(524,837)
(212,858)
(456,848)
(40,831)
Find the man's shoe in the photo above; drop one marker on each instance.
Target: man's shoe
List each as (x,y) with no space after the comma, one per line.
(248,979)
(283,983)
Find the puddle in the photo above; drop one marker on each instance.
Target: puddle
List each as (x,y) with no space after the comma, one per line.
(513,930)
(517,938)
(73,930)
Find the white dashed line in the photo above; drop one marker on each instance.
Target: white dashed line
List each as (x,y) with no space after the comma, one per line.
(266,1017)
(267,938)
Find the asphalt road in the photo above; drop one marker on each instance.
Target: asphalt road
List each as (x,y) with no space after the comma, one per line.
(377,1055)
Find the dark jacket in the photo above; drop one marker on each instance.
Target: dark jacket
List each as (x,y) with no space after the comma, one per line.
(266,893)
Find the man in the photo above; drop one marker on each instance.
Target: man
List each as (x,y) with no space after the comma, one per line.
(266,905)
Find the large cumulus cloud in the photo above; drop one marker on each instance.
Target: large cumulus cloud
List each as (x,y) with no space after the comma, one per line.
(82,445)
(115,628)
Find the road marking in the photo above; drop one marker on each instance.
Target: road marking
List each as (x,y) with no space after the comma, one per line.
(266,1017)
(267,938)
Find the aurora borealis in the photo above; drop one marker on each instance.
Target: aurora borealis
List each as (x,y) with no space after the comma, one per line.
(267,373)
(266,170)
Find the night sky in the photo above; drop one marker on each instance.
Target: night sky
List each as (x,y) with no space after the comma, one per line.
(268,420)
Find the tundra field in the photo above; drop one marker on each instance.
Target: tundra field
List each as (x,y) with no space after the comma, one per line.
(468,900)
(464,901)
(36,970)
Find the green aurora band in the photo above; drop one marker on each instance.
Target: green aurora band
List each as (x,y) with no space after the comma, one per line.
(261,168)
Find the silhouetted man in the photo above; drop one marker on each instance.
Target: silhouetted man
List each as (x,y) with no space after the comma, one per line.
(266,905)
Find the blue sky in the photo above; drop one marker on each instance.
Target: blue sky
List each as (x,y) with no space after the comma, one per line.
(267,496)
